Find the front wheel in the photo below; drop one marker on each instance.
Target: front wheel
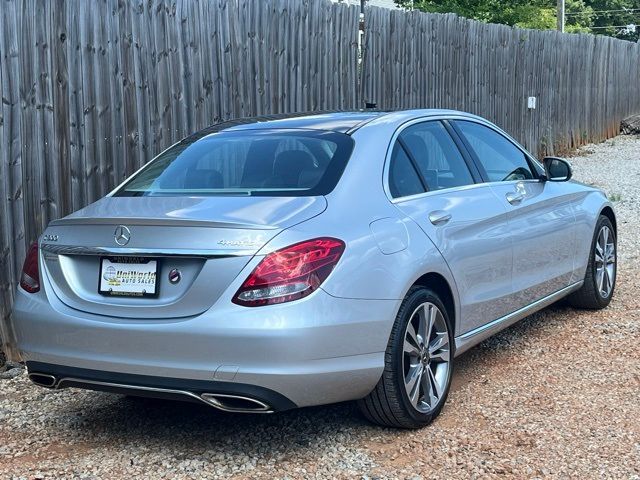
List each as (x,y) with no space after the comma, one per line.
(600,277)
(418,365)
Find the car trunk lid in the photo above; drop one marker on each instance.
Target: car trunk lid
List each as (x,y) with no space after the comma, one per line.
(208,240)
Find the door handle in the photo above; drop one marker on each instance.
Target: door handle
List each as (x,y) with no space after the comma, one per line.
(439,217)
(515,197)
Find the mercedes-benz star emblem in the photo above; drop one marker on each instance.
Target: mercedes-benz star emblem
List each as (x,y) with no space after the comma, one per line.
(174,276)
(122,235)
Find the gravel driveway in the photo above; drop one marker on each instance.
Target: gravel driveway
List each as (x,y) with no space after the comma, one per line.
(556,395)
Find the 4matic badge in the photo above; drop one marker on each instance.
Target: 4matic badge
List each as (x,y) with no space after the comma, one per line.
(239,243)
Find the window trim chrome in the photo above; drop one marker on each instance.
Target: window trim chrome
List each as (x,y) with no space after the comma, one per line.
(430,118)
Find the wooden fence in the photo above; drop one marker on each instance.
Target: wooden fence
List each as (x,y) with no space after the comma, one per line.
(91,90)
(584,84)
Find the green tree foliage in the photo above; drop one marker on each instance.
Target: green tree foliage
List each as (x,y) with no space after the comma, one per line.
(586,16)
(524,13)
(628,13)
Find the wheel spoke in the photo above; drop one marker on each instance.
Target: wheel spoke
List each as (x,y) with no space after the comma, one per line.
(427,389)
(423,320)
(436,390)
(605,237)
(600,278)
(599,257)
(441,340)
(610,254)
(412,383)
(410,348)
(441,355)
(611,270)
(433,313)
(436,384)
(439,348)
(411,340)
(607,282)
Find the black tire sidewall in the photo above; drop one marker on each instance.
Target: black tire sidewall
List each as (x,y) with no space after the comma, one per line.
(415,298)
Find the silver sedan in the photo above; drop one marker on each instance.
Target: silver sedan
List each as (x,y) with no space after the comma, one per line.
(287,261)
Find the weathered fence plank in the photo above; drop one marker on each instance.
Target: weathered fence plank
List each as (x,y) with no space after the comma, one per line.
(584,84)
(6,269)
(13,220)
(93,90)
(61,114)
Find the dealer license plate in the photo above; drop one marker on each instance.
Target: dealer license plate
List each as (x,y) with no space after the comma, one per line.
(128,277)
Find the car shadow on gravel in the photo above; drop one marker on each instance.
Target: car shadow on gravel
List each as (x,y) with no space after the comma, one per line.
(501,345)
(177,425)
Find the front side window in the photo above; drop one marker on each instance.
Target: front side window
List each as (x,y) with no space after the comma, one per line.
(501,160)
(436,155)
(251,162)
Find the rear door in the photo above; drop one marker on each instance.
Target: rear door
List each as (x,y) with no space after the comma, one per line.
(432,182)
(541,218)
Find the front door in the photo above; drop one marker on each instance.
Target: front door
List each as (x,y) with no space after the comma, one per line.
(541,218)
(432,183)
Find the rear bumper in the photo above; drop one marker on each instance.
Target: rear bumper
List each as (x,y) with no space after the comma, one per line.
(317,350)
(255,399)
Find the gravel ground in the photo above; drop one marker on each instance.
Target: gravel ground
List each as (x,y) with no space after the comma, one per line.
(557,395)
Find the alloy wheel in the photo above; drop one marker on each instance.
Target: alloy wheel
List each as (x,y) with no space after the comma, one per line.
(426,357)
(605,262)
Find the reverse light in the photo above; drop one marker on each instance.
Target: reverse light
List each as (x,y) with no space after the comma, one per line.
(30,278)
(290,273)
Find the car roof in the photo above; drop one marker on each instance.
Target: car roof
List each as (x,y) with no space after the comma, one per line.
(342,122)
(335,121)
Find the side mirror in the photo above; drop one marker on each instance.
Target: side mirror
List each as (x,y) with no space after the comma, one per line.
(557,169)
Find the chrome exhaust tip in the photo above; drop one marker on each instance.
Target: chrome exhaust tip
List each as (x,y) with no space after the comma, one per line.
(43,379)
(235,403)
(221,401)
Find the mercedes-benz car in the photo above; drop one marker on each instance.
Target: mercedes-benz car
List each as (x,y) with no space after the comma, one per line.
(287,261)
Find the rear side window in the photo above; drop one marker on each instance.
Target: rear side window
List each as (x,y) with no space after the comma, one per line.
(436,156)
(403,178)
(250,162)
(501,160)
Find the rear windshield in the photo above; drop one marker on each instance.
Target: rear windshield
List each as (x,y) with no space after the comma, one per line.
(253,163)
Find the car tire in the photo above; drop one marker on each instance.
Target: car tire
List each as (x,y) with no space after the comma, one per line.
(591,295)
(391,403)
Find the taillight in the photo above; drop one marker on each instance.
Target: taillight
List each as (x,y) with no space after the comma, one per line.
(30,278)
(291,273)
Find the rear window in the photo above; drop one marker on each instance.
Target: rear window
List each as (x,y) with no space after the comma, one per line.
(251,163)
